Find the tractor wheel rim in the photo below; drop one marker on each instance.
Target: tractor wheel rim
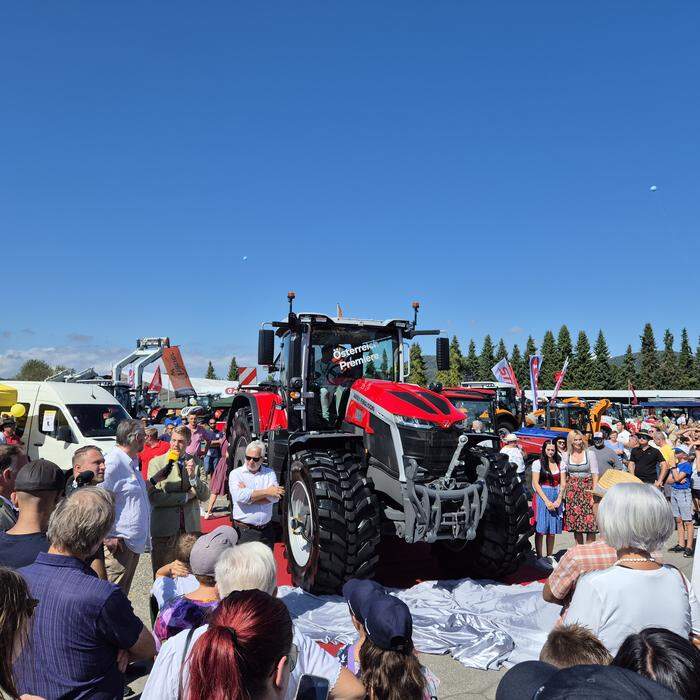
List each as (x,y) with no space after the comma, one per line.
(300,524)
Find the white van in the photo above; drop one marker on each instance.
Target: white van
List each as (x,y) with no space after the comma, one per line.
(63,416)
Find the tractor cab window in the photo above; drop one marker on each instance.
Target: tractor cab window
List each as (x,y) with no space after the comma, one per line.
(478,413)
(340,356)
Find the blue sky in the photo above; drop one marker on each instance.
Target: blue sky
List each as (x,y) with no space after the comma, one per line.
(491,160)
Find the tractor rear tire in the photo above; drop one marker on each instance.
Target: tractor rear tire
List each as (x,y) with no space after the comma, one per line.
(240,436)
(331,522)
(502,536)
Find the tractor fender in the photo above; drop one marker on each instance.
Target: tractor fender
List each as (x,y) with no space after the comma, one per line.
(345,441)
(265,409)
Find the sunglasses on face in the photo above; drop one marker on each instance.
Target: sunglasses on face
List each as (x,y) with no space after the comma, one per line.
(253,459)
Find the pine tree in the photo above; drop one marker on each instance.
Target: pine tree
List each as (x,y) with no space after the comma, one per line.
(649,365)
(417,374)
(628,371)
(453,376)
(370,370)
(470,364)
(696,366)
(486,360)
(233,370)
(602,376)
(384,366)
(519,365)
(564,344)
(581,365)
(668,367)
(551,362)
(501,351)
(211,374)
(685,363)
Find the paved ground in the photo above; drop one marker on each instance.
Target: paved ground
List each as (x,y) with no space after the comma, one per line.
(456,680)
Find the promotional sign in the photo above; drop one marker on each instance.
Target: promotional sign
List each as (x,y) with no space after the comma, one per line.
(131,378)
(559,379)
(156,382)
(247,375)
(175,367)
(503,371)
(630,388)
(230,390)
(535,364)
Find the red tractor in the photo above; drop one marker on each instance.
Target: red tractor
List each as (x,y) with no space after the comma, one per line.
(364,455)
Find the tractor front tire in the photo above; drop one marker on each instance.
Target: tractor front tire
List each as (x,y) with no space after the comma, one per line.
(331,523)
(502,536)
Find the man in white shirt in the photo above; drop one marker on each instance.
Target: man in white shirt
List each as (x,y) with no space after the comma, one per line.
(515,454)
(254,490)
(246,567)
(130,534)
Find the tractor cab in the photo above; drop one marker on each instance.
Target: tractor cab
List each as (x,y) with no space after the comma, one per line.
(320,358)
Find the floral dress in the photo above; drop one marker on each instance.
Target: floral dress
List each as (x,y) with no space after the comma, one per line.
(578,501)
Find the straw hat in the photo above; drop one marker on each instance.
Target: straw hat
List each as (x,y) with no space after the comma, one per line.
(612,477)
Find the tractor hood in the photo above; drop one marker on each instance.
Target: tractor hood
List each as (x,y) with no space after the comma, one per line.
(410,401)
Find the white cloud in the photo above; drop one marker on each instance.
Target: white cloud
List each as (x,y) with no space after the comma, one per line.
(516,329)
(102,358)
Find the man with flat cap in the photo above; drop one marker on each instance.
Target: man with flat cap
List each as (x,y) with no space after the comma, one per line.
(38,488)
(646,462)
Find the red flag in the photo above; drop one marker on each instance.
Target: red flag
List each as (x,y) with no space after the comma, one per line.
(630,387)
(174,364)
(156,382)
(559,379)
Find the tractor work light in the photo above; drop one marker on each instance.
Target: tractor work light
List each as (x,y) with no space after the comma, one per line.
(409,422)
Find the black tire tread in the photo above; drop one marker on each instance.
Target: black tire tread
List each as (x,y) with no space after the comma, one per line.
(347,521)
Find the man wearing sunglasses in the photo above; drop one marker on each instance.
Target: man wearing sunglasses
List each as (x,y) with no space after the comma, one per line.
(254,491)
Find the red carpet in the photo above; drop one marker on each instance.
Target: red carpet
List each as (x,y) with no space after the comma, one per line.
(398,562)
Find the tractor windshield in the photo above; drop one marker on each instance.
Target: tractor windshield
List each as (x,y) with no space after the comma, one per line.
(340,355)
(476,412)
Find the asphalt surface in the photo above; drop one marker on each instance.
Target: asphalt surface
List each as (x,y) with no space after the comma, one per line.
(456,681)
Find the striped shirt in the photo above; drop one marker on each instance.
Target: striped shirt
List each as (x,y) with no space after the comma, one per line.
(78,627)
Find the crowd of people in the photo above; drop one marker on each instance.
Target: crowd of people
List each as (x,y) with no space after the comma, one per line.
(565,478)
(69,549)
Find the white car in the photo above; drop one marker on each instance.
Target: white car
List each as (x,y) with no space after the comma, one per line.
(62,417)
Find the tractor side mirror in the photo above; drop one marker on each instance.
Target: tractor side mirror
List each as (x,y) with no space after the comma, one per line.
(442,354)
(266,347)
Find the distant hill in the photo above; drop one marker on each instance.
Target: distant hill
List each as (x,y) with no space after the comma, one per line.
(619,359)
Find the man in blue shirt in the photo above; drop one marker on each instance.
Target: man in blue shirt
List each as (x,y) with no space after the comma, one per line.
(37,490)
(682,501)
(84,630)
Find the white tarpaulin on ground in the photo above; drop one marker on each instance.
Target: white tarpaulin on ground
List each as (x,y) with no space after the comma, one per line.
(481,624)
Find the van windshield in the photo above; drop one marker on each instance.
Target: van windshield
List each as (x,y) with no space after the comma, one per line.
(97,420)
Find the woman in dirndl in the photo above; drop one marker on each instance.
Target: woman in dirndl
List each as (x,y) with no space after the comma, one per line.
(582,477)
(549,485)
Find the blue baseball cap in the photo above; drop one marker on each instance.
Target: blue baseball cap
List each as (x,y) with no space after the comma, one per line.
(359,594)
(389,624)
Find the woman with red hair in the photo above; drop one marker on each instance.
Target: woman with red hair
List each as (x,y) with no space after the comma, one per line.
(247,653)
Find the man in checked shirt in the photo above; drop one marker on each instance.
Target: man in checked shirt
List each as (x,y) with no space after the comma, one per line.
(254,490)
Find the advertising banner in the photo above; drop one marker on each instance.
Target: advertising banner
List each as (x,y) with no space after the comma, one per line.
(559,379)
(535,364)
(175,367)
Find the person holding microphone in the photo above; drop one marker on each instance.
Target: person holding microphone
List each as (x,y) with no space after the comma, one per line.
(254,491)
(176,499)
